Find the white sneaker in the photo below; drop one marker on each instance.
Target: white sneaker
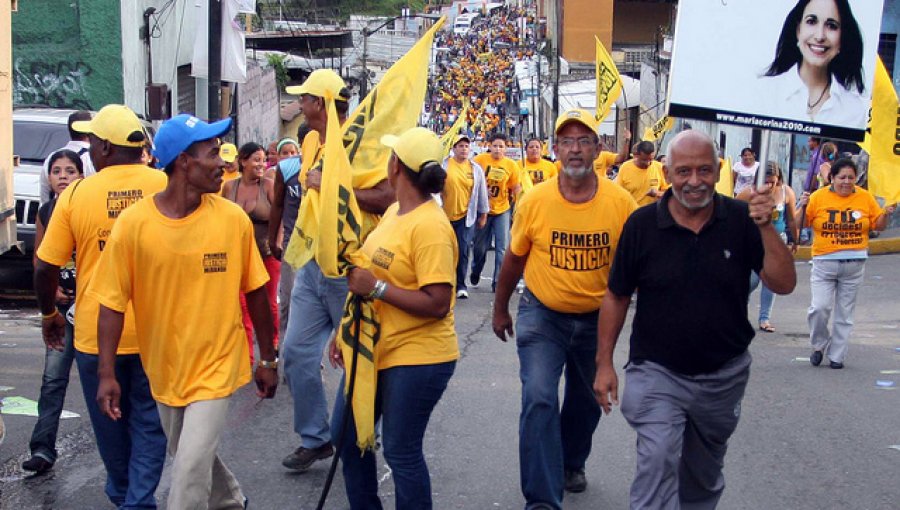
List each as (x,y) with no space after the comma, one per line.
(462,294)
(520,287)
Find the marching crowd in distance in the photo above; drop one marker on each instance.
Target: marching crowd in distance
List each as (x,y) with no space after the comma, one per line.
(158,253)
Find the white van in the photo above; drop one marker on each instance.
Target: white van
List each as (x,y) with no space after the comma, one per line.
(463,23)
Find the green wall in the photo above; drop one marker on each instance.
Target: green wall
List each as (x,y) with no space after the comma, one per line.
(67,53)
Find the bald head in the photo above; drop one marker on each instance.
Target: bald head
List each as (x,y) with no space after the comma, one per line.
(691,140)
(692,167)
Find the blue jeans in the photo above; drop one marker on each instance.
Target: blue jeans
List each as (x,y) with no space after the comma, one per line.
(766,297)
(133,448)
(497,227)
(553,441)
(463,240)
(404,399)
(317,304)
(57,365)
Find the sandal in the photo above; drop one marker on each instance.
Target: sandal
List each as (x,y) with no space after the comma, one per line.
(766,327)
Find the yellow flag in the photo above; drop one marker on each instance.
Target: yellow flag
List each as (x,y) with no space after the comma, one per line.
(338,248)
(725,186)
(609,85)
(340,224)
(476,124)
(654,132)
(883,139)
(448,137)
(392,107)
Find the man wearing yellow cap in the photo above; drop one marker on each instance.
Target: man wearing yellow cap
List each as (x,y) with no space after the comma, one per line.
(317,302)
(564,238)
(133,448)
(228,152)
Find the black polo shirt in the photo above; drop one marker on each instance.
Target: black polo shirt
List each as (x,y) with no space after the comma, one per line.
(691,312)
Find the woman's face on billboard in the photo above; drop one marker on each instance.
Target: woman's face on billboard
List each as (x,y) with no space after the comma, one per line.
(819,33)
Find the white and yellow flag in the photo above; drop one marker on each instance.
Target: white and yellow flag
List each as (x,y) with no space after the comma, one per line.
(883,139)
(609,84)
(392,107)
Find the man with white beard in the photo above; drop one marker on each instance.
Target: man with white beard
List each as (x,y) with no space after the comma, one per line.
(563,238)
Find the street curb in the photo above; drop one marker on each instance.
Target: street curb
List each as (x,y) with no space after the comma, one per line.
(876,247)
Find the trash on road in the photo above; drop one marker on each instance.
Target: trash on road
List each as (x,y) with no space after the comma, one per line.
(26,407)
(885,384)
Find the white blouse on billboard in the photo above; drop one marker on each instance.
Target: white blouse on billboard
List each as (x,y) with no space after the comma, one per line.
(789,97)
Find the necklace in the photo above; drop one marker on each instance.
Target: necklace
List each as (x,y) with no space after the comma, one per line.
(811,107)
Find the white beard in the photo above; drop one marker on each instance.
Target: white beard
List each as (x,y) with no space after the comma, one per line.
(576,173)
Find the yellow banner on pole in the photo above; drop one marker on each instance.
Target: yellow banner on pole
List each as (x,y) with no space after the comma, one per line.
(654,132)
(392,107)
(448,137)
(883,138)
(609,84)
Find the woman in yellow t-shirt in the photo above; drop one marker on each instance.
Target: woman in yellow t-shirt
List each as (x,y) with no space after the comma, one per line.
(413,271)
(841,216)
(538,168)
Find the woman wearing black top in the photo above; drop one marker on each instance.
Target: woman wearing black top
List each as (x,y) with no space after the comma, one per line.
(64,168)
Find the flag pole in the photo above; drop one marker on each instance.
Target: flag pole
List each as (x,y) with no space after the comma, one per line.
(348,402)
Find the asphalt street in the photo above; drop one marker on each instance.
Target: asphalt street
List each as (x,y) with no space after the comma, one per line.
(809,438)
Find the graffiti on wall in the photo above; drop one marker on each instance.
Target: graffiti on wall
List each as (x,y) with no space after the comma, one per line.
(60,84)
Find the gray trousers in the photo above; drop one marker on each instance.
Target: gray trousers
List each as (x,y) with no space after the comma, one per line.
(683,424)
(834,285)
(199,478)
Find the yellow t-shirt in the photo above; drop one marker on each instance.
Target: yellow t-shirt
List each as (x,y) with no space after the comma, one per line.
(502,177)
(84,215)
(458,189)
(410,252)
(570,247)
(183,277)
(841,223)
(309,145)
(638,181)
(604,161)
(541,171)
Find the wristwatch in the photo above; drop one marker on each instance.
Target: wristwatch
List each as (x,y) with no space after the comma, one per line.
(268,364)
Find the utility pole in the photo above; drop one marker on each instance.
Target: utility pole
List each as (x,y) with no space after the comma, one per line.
(214,56)
(556,55)
(364,86)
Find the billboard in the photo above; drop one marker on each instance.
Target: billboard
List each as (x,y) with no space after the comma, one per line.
(803,66)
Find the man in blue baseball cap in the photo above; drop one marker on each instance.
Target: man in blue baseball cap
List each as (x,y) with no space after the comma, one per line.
(180,254)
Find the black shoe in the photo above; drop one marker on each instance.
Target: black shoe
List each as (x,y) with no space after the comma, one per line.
(37,464)
(575,481)
(815,359)
(837,365)
(302,458)
(474,280)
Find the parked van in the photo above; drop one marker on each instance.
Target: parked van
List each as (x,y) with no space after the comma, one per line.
(464,22)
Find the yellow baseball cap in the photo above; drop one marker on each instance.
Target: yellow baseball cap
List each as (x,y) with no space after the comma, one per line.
(228,152)
(319,83)
(415,147)
(579,115)
(116,124)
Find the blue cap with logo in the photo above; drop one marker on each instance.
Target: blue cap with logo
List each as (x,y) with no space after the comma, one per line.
(180,132)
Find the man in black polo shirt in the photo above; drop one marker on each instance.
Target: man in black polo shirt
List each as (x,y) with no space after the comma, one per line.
(690,254)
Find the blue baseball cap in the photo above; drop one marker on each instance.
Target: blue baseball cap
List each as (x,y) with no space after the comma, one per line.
(180,132)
